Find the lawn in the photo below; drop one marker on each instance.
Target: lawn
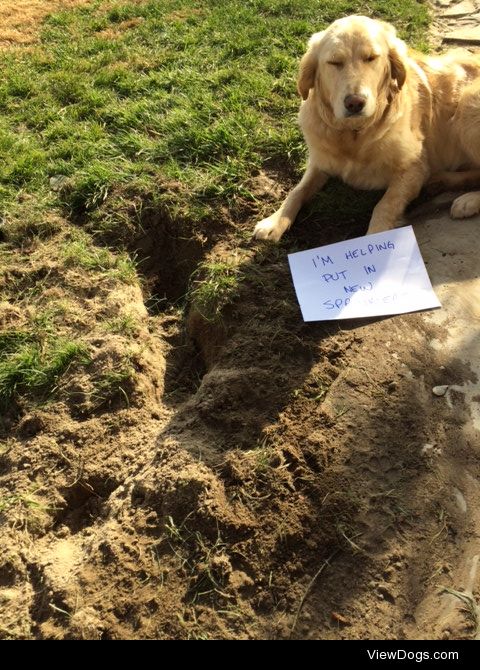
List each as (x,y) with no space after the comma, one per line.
(126,113)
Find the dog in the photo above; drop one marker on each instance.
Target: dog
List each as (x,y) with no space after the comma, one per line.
(381,116)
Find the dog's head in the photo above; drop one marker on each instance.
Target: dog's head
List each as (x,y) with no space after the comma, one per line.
(355,66)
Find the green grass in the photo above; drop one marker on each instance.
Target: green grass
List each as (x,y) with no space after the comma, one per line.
(184,106)
(29,366)
(125,325)
(81,253)
(109,130)
(112,385)
(214,286)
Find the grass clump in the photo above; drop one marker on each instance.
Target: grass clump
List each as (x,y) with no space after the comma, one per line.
(112,385)
(125,325)
(216,285)
(30,367)
(80,252)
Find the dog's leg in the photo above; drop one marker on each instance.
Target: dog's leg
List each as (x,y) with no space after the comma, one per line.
(465,205)
(402,190)
(275,225)
(453,181)
(466,124)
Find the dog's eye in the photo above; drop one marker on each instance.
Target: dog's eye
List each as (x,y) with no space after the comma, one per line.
(335,63)
(371,58)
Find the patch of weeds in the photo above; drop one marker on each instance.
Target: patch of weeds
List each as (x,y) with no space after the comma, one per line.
(111,386)
(28,218)
(80,252)
(470,608)
(89,189)
(262,460)
(204,561)
(24,510)
(193,630)
(44,321)
(11,340)
(125,325)
(314,389)
(32,367)
(216,284)
(258,474)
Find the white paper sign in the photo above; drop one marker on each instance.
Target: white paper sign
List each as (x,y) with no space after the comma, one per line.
(375,275)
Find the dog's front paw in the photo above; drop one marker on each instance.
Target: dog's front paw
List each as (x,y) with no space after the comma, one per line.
(268,229)
(466,205)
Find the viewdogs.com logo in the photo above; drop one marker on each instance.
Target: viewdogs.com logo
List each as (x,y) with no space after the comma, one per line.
(418,656)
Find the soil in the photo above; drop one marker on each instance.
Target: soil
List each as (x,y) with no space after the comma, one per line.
(21,20)
(267,479)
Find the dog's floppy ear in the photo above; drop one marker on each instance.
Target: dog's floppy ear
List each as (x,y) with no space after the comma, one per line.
(397,66)
(397,55)
(308,66)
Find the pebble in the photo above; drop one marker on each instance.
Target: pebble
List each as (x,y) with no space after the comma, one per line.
(440,390)
(460,9)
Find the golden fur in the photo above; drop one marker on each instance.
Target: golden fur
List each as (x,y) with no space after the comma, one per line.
(420,121)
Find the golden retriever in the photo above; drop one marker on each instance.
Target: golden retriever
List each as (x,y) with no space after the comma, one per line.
(380,116)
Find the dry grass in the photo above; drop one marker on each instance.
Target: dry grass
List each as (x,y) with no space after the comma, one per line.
(20,19)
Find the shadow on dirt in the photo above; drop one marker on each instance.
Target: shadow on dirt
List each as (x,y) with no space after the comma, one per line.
(311,440)
(296,491)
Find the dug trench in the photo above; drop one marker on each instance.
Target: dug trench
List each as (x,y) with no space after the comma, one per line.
(264,478)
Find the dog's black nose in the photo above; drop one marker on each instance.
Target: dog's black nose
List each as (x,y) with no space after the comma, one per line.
(354,103)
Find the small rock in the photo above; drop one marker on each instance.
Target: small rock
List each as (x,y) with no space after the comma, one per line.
(460,500)
(385,592)
(460,9)
(467,35)
(431,450)
(440,390)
